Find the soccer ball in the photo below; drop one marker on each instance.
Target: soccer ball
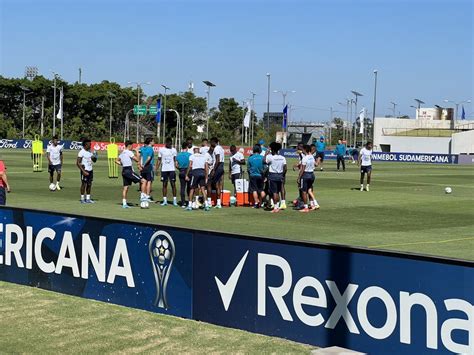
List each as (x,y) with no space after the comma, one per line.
(52,187)
(233,201)
(144,204)
(448,190)
(162,251)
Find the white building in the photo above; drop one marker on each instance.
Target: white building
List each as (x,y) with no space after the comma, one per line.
(424,135)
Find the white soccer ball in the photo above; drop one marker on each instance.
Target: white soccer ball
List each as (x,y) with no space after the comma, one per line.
(233,201)
(52,187)
(448,190)
(144,204)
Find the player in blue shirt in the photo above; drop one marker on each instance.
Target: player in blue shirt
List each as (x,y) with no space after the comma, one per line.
(320,148)
(182,164)
(340,152)
(146,164)
(256,176)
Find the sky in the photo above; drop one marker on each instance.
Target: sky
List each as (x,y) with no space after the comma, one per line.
(321,49)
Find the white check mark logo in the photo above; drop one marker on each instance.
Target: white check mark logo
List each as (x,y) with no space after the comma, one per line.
(227,290)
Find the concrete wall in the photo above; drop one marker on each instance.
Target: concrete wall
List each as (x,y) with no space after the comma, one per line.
(436,145)
(463,143)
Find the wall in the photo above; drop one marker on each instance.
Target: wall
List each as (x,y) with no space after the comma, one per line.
(463,142)
(378,302)
(436,145)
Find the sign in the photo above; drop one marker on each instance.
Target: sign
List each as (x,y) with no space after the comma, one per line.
(371,301)
(111,261)
(152,110)
(139,109)
(28,144)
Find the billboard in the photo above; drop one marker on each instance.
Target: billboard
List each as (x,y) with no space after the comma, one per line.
(367,300)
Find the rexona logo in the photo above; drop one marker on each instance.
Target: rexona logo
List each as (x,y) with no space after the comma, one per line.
(398,311)
(16,241)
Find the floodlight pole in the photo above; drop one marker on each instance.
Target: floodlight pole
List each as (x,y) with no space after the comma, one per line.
(252,127)
(375,100)
(268,102)
(209,85)
(164,112)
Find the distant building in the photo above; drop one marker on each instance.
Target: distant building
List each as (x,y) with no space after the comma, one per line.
(276,118)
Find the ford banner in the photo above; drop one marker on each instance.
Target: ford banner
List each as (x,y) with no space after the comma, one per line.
(27,144)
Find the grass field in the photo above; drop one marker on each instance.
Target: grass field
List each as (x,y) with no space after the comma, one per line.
(43,322)
(406,209)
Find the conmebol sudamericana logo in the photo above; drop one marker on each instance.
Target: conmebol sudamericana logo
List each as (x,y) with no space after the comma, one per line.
(162,252)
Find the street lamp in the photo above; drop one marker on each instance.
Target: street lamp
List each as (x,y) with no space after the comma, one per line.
(375,99)
(356,94)
(54,102)
(164,114)
(178,125)
(268,102)
(252,128)
(111,95)
(138,84)
(394,107)
(457,105)
(419,103)
(284,94)
(25,90)
(209,85)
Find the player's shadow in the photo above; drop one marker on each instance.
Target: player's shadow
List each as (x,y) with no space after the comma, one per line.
(355,188)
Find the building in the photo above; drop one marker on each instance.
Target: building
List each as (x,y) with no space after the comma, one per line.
(432,132)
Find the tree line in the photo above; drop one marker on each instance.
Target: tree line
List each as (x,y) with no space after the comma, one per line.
(86,111)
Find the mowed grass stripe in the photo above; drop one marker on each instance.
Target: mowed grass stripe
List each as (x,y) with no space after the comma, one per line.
(34,320)
(406,203)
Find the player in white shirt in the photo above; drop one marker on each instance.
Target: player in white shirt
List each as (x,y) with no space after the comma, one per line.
(276,174)
(217,174)
(84,161)
(198,173)
(129,176)
(306,179)
(365,163)
(236,161)
(204,146)
(167,162)
(54,153)
(191,146)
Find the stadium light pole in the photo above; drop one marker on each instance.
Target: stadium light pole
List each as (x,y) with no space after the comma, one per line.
(268,101)
(164,112)
(356,94)
(252,128)
(419,103)
(209,85)
(178,124)
(284,94)
(375,100)
(111,95)
(138,84)
(25,94)
(457,105)
(394,107)
(54,101)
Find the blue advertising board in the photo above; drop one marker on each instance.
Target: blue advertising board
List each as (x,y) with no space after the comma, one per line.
(131,265)
(391,157)
(372,301)
(379,303)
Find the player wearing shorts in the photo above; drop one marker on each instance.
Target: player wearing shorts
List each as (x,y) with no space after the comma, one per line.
(4,186)
(146,163)
(306,180)
(256,176)
(182,164)
(54,153)
(298,202)
(167,161)
(236,161)
(320,148)
(276,174)
(197,174)
(129,176)
(365,163)
(217,173)
(84,161)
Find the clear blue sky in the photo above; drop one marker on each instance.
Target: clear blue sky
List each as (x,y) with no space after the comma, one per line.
(320,48)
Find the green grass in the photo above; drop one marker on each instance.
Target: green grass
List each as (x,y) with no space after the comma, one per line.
(37,321)
(424,132)
(406,209)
